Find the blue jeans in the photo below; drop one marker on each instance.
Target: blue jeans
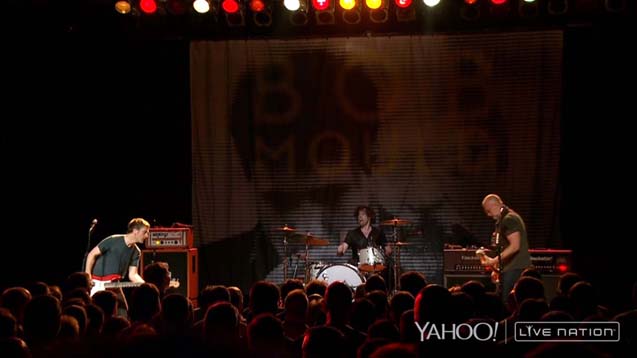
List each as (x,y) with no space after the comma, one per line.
(507,281)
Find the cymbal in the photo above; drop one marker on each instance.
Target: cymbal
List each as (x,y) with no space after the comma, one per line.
(400,243)
(309,239)
(395,222)
(285,228)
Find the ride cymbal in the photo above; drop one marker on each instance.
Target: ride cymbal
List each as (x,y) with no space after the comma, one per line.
(285,228)
(395,222)
(309,239)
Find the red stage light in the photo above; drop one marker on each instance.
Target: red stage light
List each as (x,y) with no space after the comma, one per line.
(257,5)
(321,4)
(148,6)
(230,6)
(402,3)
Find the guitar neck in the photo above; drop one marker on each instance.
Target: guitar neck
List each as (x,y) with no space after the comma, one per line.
(122,284)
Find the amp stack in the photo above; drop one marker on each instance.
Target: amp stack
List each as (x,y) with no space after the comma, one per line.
(462,265)
(174,245)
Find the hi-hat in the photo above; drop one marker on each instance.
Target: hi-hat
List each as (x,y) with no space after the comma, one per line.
(285,228)
(309,239)
(396,222)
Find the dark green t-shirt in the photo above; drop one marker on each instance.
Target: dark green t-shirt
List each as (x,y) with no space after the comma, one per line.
(512,222)
(116,257)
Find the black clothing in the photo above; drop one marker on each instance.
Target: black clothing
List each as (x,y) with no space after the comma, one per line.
(356,240)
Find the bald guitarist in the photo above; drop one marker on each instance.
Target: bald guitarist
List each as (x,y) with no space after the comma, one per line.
(510,239)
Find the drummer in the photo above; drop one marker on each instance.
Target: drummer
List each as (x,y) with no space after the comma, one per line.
(364,235)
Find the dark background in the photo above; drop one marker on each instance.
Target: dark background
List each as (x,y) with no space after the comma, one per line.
(98,126)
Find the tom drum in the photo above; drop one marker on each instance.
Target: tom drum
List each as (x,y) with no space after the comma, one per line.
(371,259)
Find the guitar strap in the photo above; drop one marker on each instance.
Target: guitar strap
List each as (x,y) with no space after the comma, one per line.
(130,260)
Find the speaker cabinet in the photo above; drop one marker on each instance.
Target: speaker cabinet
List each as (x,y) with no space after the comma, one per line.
(550,286)
(549,280)
(451,280)
(183,265)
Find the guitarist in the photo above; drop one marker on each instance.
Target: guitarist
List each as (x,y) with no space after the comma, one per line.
(117,257)
(510,240)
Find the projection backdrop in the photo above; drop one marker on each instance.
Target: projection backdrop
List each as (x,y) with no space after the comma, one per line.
(300,132)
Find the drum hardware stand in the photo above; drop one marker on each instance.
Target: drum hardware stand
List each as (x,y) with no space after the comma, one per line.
(396,266)
(285,257)
(307,250)
(296,267)
(396,257)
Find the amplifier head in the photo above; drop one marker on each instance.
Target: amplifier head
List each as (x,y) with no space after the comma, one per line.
(168,237)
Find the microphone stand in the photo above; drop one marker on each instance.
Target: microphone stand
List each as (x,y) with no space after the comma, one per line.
(285,259)
(88,245)
(498,252)
(396,258)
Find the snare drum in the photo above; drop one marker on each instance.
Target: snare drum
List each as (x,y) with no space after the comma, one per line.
(371,259)
(345,273)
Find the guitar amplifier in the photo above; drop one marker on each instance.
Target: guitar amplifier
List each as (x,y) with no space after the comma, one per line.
(462,265)
(546,261)
(169,238)
(183,265)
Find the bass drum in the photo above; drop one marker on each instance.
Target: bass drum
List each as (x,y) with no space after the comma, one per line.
(314,269)
(345,273)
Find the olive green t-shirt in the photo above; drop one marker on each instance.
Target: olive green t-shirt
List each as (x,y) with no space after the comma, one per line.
(512,222)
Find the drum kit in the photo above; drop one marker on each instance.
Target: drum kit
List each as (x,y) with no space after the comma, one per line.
(371,259)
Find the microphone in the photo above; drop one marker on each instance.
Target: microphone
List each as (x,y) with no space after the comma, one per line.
(93,223)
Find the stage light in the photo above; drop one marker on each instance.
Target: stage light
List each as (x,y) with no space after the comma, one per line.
(431,3)
(347,4)
(257,5)
(324,12)
(403,4)
(201,6)
(292,5)
(378,10)
(123,7)
(261,12)
(351,11)
(233,11)
(404,11)
(528,8)
(500,8)
(470,10)
(230,6)
(557,7)
(373,4)
(299,11)
(148,6)
(322,5)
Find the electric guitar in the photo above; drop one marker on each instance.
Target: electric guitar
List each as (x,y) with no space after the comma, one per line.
(100,283)
(495,270)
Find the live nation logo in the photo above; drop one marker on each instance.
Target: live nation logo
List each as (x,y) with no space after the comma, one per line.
(593,331)
(523,331)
